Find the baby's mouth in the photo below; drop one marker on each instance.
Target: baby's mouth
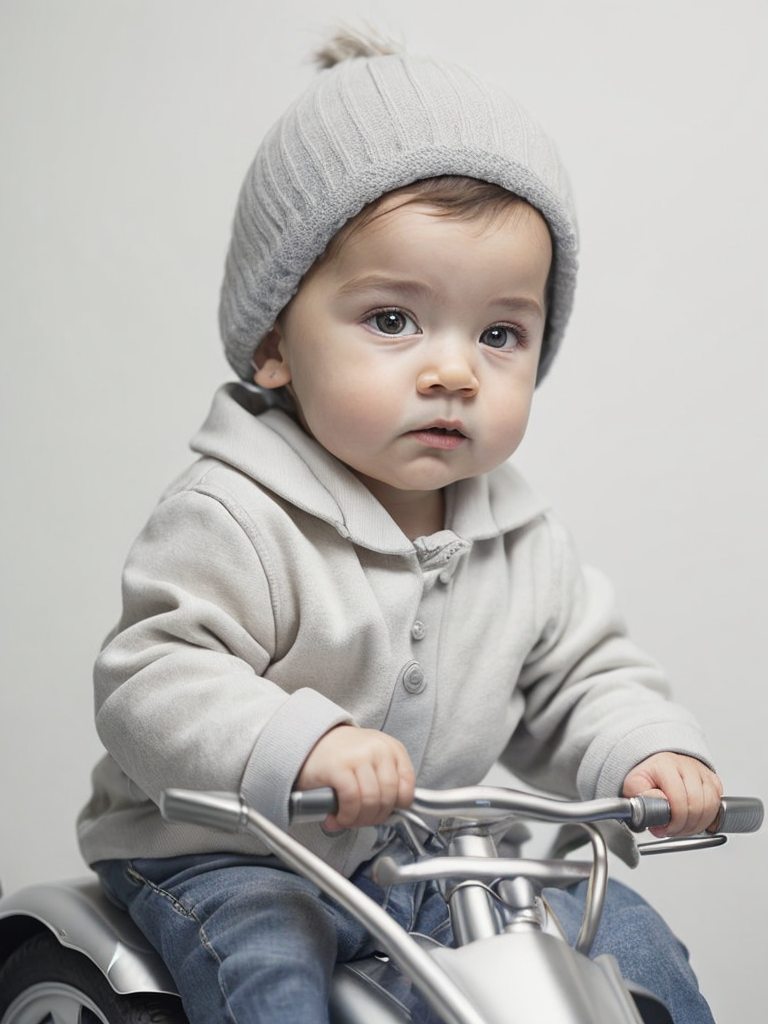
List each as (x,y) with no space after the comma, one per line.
(437,436)
(446,430)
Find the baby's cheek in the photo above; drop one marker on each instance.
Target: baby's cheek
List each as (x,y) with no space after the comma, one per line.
(368,414)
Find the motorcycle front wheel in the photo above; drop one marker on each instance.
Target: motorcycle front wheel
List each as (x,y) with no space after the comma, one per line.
(43,982)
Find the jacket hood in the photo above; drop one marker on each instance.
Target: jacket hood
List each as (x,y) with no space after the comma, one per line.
(246,432)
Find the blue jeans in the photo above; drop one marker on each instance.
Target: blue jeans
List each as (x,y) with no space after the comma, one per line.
(248,941)
(646,950)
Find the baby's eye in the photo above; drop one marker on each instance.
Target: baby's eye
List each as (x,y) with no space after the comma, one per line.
(392,322)
(501,336)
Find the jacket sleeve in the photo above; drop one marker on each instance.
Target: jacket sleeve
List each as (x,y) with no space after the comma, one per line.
(181,689)
(595,705)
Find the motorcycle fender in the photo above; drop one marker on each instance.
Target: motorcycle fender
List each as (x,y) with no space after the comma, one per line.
(82,918)
(517,978)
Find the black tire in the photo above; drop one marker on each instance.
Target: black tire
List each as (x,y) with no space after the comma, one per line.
(42,982)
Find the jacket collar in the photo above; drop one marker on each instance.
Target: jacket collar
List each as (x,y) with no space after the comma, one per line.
(263,441)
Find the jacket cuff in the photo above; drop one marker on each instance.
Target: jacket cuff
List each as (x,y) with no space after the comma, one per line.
(608,762)
(282,748)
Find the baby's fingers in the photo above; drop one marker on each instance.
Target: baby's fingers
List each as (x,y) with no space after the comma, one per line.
(692,789)
(366,797)
(370,771)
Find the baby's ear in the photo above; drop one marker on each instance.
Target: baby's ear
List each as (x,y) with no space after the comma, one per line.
(268,362)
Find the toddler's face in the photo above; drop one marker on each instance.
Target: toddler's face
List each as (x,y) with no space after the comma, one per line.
(412,352)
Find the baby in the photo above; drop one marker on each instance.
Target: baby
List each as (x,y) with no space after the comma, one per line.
(352,586)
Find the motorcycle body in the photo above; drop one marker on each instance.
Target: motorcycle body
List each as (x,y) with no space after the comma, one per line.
(70,956)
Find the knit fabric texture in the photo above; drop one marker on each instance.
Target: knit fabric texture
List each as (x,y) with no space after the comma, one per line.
(363,128)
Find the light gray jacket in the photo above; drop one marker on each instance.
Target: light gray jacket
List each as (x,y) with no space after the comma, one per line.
(270,598)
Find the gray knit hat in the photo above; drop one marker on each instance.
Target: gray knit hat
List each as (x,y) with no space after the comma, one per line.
(366,126)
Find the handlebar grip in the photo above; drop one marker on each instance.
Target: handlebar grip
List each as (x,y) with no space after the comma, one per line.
(224,811)
(738,814)
(227,812)
(313,804)
(648,812)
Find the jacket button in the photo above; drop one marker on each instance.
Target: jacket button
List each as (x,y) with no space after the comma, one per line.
(418,630)
(413,677)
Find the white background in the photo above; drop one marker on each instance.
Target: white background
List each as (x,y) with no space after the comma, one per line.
(127,126)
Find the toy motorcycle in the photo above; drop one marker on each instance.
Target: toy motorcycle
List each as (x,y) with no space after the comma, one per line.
(69,956)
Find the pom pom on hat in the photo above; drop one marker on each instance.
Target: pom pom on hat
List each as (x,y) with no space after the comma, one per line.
(373,121)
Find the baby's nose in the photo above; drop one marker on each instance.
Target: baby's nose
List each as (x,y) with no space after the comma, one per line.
(451,369)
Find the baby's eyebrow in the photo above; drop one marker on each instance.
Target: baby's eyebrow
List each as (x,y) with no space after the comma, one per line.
(382,282)
(518,305)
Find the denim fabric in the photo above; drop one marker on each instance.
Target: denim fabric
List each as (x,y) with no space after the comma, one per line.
(248,941)
(200,913)
(646,950)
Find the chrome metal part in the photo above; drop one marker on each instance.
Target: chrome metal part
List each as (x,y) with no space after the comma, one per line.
(483,802)
(596,890)
(225,811)
(547,872)
(610,968)
(54,1002)
(82,918)
(518,896)
(473,913)
(517,893)
(313,804)
(550,981)
(700,842)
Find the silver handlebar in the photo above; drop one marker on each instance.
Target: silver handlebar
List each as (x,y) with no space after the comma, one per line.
(480,803)
(226,811)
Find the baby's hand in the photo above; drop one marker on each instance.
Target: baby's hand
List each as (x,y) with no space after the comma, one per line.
(370,771)
(693,791)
